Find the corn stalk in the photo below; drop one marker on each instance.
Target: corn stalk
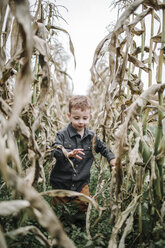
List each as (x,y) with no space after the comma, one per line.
(31,98)
(158,182)
(130,120)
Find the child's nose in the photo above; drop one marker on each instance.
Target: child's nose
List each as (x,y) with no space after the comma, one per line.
(81,121)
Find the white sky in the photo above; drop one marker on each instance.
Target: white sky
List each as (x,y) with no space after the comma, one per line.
(87,22)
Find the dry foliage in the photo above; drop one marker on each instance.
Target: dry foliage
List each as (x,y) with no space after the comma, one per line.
(131,114)
(128,112)
(34,88)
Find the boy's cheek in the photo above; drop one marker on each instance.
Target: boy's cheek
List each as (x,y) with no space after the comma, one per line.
(87,122)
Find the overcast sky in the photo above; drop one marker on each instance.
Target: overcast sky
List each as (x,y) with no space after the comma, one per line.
(87,22)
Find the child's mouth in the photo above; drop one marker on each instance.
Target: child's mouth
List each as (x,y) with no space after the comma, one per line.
(80,126)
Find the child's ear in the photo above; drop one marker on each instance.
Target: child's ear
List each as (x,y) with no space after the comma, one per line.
(68,114)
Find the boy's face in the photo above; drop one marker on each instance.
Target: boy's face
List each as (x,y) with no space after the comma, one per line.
(79,118)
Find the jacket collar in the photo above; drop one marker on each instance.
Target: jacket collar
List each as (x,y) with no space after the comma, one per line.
(72,131)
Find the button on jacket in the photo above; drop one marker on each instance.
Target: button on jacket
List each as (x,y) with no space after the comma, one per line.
(62,175)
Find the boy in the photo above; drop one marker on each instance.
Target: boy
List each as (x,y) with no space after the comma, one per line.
(76,138)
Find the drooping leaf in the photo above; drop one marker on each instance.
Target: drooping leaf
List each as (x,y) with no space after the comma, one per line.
(69,193)
(22,231)
(12,207)
(24,78)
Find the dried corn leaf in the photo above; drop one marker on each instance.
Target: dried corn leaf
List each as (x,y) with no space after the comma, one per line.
(133,110)
(69,193)
(127,230)
(41,45)
(140,17)
(5,108)
(121,220)
(3,7)
(22,15)
(163,210)
(156,4)
(121,134)
(38,11)
(121,71)
(70,40)
(117,30)
(7,28)
(16,40)
(156,105)
(137,31)
(14,153)
(45,83)
(3,157)
(3,243)
(22,231)
(31,171)
(138,63)
(23,82)
(44,214)
(157,38)
(161,146)
(12,207)
(139,50)
(133,156)
(66,155)
(136,86)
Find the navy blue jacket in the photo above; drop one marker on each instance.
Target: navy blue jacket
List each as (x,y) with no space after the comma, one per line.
(62,175)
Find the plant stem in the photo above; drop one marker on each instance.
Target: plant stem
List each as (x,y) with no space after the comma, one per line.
(158,182)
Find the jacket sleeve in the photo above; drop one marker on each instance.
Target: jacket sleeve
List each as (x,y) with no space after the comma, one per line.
(105,151)
(57,152)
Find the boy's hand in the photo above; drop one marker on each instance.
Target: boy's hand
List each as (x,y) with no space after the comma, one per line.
(74,153)
(113,162)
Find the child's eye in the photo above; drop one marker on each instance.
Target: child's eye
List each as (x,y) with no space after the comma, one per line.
(85,118)
(76,118)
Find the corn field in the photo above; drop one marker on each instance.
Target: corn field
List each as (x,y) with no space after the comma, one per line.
(127,95)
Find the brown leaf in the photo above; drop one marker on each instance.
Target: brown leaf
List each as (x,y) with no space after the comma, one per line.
(16,45)
(138,63)
(156,4)
(22,88)
(157,38)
